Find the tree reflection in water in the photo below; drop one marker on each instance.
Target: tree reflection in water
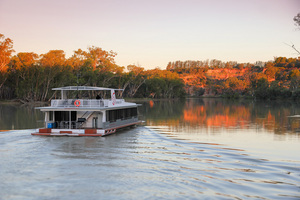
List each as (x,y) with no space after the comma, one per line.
(274,116)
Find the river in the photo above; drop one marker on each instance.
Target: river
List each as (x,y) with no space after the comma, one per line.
(186,149)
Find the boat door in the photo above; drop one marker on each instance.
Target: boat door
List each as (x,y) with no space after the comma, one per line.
(100,120)
(95,122)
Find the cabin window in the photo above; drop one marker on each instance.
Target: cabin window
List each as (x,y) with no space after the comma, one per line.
(50,115)
(128,113)
(133,112)
(64,115)
(113,115)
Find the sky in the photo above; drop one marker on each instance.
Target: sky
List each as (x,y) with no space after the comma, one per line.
(152,33)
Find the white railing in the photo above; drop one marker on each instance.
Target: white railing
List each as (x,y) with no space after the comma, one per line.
(83,103)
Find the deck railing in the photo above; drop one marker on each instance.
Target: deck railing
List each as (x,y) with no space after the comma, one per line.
(83,103)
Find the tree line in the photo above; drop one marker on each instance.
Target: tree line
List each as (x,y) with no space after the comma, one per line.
(270,80)
(28,76)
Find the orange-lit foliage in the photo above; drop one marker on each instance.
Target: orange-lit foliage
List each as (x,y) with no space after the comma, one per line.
(158,73)
(24,60)
(53,58)
(98,57)
(135,70)
(95,58)
(78,59)
(235,84)
(230,78)
(97,67)
(221,74)
(270,71)
(6,49)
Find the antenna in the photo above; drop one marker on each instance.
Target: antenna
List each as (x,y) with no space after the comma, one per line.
(77,84)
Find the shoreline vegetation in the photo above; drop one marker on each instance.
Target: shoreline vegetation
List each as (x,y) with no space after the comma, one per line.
(28,77)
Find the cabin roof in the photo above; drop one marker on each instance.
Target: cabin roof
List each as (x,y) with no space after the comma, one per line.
(49,108)
(83,88)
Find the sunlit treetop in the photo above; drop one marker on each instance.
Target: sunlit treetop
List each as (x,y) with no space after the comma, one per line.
(6,49)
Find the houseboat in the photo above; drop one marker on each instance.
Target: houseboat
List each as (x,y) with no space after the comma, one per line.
(85,116)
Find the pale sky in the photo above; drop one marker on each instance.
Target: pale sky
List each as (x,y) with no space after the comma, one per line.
(150,33)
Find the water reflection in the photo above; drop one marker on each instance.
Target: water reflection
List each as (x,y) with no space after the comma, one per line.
(16,116)
(274,116)
(277,117)
(210,161)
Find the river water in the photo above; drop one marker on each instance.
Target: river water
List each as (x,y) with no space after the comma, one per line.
(189,149)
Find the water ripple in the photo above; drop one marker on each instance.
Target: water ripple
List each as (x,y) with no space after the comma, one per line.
(138,164)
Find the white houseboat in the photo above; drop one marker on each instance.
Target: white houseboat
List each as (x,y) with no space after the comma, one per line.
(87,117)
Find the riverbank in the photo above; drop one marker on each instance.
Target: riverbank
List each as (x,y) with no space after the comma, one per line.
(18,102)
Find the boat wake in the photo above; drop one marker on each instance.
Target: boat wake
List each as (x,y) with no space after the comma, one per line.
(139,163)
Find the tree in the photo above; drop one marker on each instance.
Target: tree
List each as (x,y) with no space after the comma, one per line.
(155,87)
(261,89)
(297,23)
(24,60)
(233,84)
(78,59)
(136,78)
(100,58)
(297,20)
(24,66)
(52,64)
(270,70)
(174,88)
(6,49)
(295,79)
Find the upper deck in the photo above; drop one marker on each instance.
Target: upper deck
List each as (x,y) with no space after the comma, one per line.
(86,104)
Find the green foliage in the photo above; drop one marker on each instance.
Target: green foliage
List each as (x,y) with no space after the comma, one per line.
(296,94)
(164,88)
(261,88)
(30,77)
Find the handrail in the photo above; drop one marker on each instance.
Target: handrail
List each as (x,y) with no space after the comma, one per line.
(83,103)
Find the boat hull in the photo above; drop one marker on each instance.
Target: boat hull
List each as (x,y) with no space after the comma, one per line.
(81,132)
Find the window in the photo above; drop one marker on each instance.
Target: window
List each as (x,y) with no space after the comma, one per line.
(50,115)
(65,115)
(113,115)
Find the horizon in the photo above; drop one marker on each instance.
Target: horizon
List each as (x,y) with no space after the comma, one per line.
(152,34)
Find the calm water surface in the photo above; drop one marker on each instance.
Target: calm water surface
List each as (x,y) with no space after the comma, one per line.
(192,149)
